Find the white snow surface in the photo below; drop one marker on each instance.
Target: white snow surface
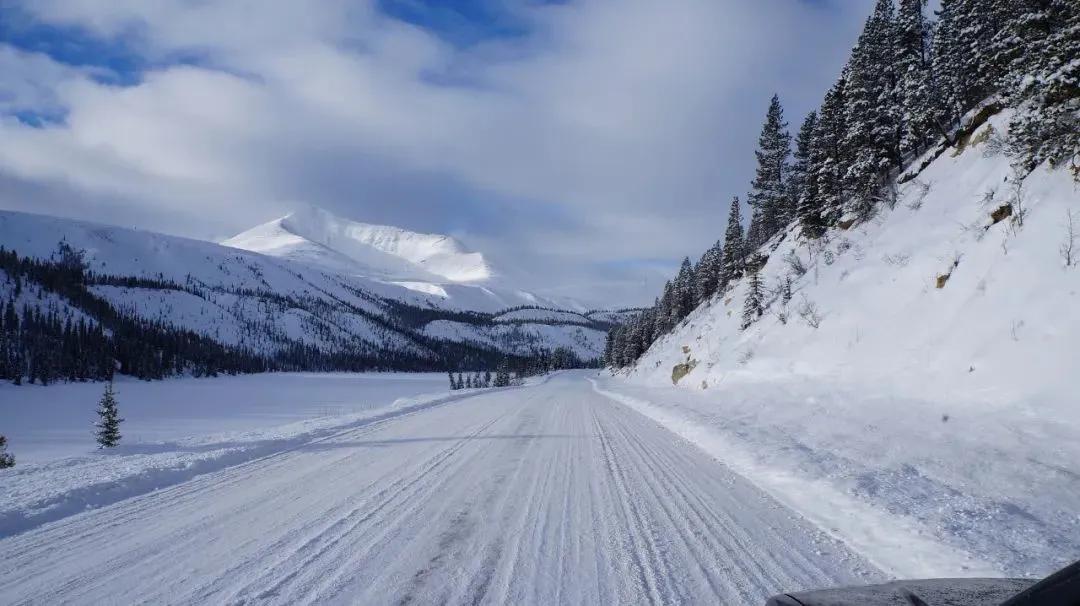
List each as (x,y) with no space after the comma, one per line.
(951,411)
(532,314)
(546,494)
(523,337)
(317,236)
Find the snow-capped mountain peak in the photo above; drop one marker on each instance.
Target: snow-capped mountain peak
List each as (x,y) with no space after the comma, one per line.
(314,235)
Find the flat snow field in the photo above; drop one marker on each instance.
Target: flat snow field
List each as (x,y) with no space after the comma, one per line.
(48,423)
(548,494)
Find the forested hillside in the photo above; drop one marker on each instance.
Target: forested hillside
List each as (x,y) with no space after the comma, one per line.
(914,88)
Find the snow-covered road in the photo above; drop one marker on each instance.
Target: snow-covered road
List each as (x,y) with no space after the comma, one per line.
(551,494)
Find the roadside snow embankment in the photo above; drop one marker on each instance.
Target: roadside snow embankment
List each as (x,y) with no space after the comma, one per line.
(913,377)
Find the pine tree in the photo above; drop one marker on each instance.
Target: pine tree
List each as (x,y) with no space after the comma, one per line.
(1045,83)
(769,198)
(803,183)
(108,425)
(872,112)
(707,274)
(502,375)
(453,383)
(917,90)
(753,305)
(682,292)
(830,155)
(948,62)
(6,459)
(734,246)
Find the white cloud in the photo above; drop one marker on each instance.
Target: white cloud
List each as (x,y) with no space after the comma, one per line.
(614,129)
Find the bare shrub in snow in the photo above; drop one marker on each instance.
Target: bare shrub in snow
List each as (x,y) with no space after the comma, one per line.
(920,190)
(808,311)
(988,196)
(843,246)
(1015,331)
(829,257)
(1068,246)
(745,356)
(995,144)
(795,264)
(1018,199)
(897,260)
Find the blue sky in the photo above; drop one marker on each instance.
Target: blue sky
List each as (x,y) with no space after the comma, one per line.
(585,146)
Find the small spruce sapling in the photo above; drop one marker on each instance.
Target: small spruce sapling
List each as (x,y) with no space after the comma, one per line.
(1068,246)
(108,425)
(6,458)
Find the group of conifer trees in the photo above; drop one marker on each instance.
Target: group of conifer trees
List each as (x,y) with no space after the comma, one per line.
(907,88)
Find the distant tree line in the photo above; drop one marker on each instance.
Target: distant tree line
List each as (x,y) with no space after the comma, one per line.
(911,83)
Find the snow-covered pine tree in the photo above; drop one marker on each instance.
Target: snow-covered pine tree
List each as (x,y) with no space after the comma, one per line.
(662,321)
(6,458)
(707,276)
(872,111)
(460,381)
(1045,83)
(769,196)
(734,246)
(947,63)
(916,86)
(453,383)
(803,183)
(683,292)
(108,425)
(487,378)
(830,155)
(502,375)
(753,305)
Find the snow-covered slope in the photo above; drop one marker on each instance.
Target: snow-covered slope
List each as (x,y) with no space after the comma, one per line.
(316,236)
(926,365)
(434,267)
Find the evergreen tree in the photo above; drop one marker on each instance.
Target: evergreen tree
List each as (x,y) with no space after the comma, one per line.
(453,383)
(682,292)
(487,378)
(948,62)
(769,198)
(707,274)
(460,381)
(108,425)
(873,126)
(803,183)
(1046,85)
(753,305)
(6,459)
(502,375)
(917,92)
(829,154)
(734,246)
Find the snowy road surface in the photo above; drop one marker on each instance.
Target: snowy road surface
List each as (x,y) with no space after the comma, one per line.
(550,494)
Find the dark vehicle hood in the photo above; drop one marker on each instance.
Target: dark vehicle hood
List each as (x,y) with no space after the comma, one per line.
(937,592)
